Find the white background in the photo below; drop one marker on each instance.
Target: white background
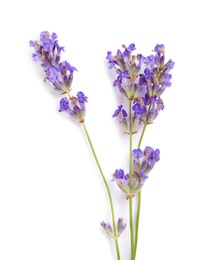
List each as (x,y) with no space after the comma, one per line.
(52,198)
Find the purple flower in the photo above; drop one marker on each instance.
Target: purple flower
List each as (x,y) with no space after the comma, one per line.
(52,73)
(66,68)
(32,43)
(76,107)
(81,97)
(159,49)
(124,75)
(138,109)
(47,49)
(44,36)
(143,175)
(170,64)
(144,164)
(131,47)
(150,62)
(119,174)
(64,104)
(148,74)
(35,57)
(66,71)
(137,73)
(146,99)
(107,227)
(156,104)
(120,113)
(111,60)
(151,157)
(54,36)
(120,226)
(137,153)
(138,177)
(127,66)
(166,82)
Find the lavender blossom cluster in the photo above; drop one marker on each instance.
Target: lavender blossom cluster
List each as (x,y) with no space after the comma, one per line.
(141,80)
(59,74)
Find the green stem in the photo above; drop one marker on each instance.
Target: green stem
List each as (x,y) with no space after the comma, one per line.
(137,221)
(108,191)
(130,184)
(139,193)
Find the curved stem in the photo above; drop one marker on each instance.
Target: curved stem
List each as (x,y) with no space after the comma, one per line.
(130,185)
(107,188)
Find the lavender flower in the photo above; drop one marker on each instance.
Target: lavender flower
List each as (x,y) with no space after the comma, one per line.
(78,106)
(137,153)
(120,226)
(48,53)
(64,105)
(109,230)
(127,66)
(123,182)
(107,227)
(147,109)
(154,79)
(47,49)
(121,115)
(144,161)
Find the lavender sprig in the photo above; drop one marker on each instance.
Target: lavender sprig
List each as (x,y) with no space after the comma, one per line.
(60,75)
(141,80)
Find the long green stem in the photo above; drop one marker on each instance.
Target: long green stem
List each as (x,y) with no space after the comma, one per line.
(107,188)
(130,184)
(139,194)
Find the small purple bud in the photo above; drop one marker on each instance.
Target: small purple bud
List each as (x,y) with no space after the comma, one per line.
(137,108)
(137,153)
(81,97)
(119,174)
(120,226)
(148,74)
(32,43)
(150,61)
(131,47)
(54,36)
(52,74)
(120,112)
(107,227)
(170,64)
(143,175)
(35,57)
(160,48)
(64,104)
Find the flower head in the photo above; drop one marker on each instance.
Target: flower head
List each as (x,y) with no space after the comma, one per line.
(75,106)
(147,109)
(47,49)
(109,230)
(122,117)
(127,67)
(120,226)
(107,227)
(64,104)
(48,53)
(143,163)
(137,73)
